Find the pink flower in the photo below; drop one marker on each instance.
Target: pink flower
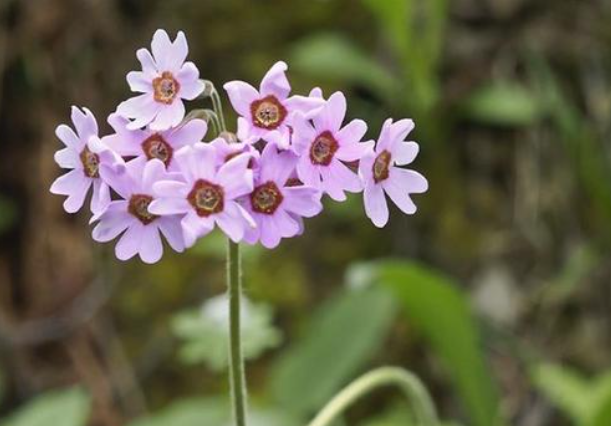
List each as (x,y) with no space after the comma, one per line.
(267,113)
(275,205)
(207,196)
(324,147)
(153,144)
(379,174)
(226,151)
(165,80)
(88,158)
(141,229)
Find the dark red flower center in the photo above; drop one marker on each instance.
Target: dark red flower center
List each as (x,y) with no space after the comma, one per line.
(165,88)
(155,146)
(91,163)
(206,198)
(138,207)
(323,149)
(268,113)
(381,166)
(266,198)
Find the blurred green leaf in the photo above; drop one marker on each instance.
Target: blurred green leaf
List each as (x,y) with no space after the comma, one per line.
(341,338)
(8,213)
(330,56)
(437,307)
(504,103)
(204,332)
(66,407)
(210,411)
(586,402)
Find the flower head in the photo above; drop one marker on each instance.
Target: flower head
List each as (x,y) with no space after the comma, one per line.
(267,113)
(275,204)
(88,158)
(153,144)
(208,195)
(165,80)
(380,175)
(130,215)
(324,147)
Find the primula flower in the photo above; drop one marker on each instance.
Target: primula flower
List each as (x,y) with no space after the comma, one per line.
(276,205)
(208,195)
(324,147)
(379,174)
(165,80)
(153,144)
(88,158)
(267,113)
(226,151)
(131,214)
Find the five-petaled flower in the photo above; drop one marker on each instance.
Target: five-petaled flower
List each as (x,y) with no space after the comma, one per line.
(208,195)
(267,113)
(89,160)
(275,203)
(130,215)
(165,80)
(378,171)
(153,144)
(325,147)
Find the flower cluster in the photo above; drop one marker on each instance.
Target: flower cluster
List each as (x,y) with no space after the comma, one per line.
(156,176)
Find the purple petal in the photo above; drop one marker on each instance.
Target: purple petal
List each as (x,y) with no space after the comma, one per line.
(400,184)
(100,199)
(172,231)
(169,116)
(375,204)
(151,248)
(69,138)
(285,223)
(308,106)
(154,171)
(241,95)
(191,132)
(352,132)
(235,177)
(130,242)
(405,152)
(277,166)
(74,184)
(67,158)
(171,189)
(169,206)
(149,67)
(354,151)
(269,232)
(178,53)
(384,140)
(141,108)
(162,49)
(190,84)
(308,173)
(302,200)
(139,82)
(303,135)
(194,227)
(400,129)
(280,137)
(113,221)
(231,222)
(332,115)
(85,123)
(366,166)
(275,82)
(331,186)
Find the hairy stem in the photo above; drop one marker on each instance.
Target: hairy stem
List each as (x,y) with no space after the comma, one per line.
(422,406)
(236,361)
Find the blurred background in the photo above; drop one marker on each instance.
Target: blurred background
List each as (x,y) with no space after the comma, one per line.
(496,293)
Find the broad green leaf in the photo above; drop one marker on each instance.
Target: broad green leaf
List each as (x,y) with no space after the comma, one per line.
(341,338)
(438,309)
(333,57)
(568,390)
(67,407)
(504,103)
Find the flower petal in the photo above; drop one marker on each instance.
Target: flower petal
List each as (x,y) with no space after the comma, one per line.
(172,231)
(231,222)
(149,67)
(375,204)
(194,227)
(277,166)
(400,184)
(332,115)
(85,123)
(75,185)
(191,132)
(178,53)
(151,248)
(67,158)
(113,221)
(141,108)
(162,49)
(130,242)
(275,82)
(69,138)
(405,152)
(100,197)
(241,95)
(190,84)
(169,206)
(139,82)
(169,116)
(269,234)
(352,132)
(235,177)
(302,200)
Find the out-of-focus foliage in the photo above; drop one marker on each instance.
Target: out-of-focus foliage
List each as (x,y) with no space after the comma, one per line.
(586,401)
(8,213)
(69,407)
(205,332)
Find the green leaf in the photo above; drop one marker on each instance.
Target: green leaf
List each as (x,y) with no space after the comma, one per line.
(333,57)
(504,103)
(67,407)
(437,308)
(568,390)
(341,338)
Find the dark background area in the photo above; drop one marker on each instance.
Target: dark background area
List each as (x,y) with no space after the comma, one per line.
(512,103)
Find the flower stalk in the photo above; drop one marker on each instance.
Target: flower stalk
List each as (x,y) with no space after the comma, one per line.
(422,406)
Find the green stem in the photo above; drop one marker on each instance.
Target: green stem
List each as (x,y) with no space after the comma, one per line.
(423,408)
(236,361)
